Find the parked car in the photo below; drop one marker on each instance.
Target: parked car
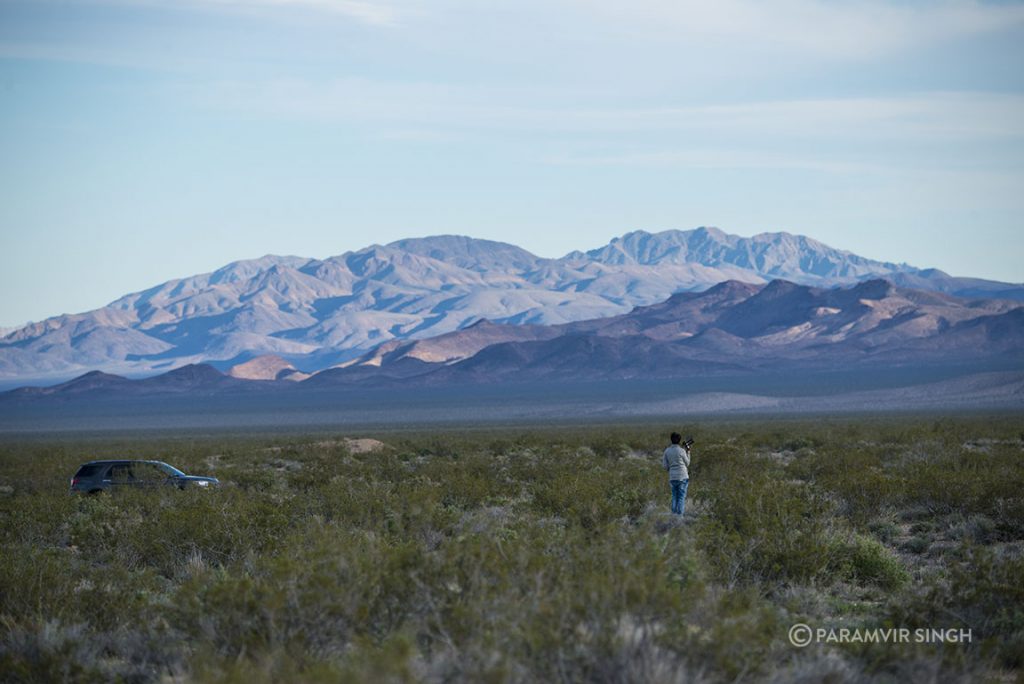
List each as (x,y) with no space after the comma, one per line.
(107,476)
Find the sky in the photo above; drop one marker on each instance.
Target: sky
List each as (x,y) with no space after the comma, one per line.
(142,140)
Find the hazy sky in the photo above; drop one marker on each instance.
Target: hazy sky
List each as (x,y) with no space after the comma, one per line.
(142,140)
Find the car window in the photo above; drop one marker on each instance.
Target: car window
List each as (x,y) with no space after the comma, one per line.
(148,472)
(170,470)
(88,470)
(121,473)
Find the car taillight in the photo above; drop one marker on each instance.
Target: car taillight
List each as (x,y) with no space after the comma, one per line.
(74,481)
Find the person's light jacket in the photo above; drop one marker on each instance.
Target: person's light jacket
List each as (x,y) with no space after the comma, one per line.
(676,461)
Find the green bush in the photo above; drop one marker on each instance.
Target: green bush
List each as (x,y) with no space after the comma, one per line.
(866,560)
(762,529)
(981,591)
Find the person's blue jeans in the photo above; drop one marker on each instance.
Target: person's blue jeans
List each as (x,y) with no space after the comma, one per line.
(679,495)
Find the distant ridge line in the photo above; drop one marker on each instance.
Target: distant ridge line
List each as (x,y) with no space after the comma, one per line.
(732,329)
(320,313)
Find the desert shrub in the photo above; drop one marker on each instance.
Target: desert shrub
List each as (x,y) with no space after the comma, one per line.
(885,530)
(977,529)
(733,633)
(254,479)
(792,438)
(223,529)
(866,560)
(54,652)
(30,517)
(760,529)
(1008,513)
(856,475)
(560,602)
(591,491)
(37,583)
(314,598)
(54,584)
(916,544)
(469,482)
(969,482)
(162,530)
(51,651)
(981,591)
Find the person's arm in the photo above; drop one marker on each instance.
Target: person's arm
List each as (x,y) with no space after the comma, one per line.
(685,457)
(664,460)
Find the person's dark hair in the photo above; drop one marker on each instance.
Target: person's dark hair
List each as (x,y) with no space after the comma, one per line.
(676,438)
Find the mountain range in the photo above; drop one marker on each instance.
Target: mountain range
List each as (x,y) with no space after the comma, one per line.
(733,330)
(291,316)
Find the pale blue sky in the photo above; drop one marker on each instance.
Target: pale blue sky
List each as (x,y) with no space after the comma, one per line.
(143,140)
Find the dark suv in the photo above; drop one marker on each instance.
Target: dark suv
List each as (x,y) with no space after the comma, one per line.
(107,476)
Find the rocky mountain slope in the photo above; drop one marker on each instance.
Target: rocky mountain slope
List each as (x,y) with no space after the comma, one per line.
(731,328)
(266,367)
(316,314)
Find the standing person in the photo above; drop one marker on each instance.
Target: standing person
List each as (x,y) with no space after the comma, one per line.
(676,461)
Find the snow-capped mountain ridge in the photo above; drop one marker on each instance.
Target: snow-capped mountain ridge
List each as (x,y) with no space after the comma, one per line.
(317,313)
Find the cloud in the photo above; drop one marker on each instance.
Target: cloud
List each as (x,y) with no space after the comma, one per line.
(941,116)
(640,46)
(876,136)
(851,29)
(947,116)
(848,29)
(719,159)
(373,13)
